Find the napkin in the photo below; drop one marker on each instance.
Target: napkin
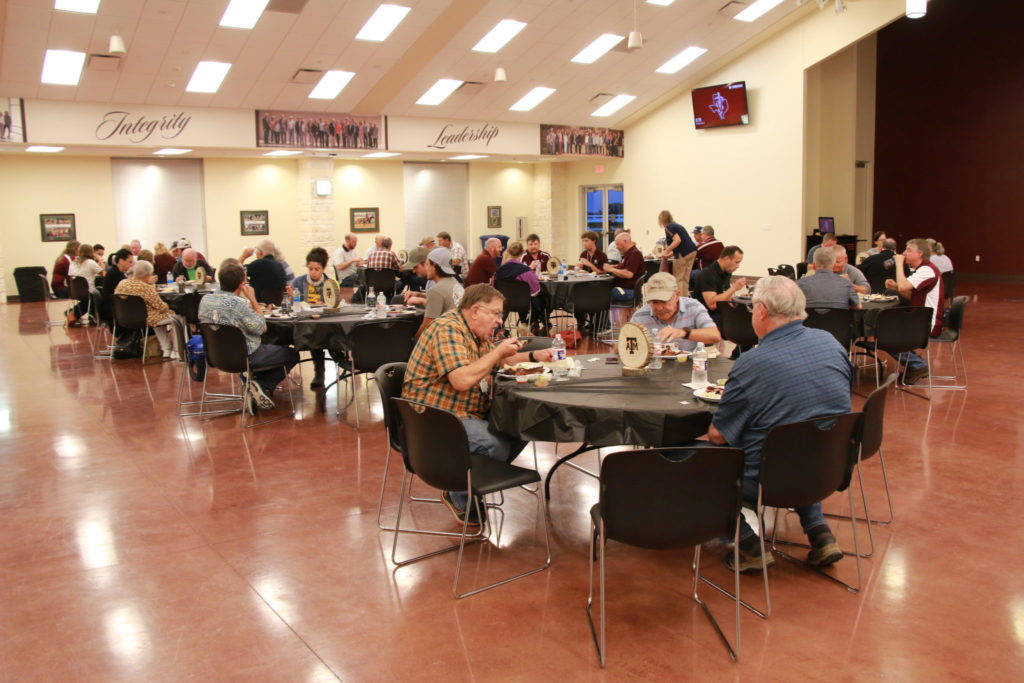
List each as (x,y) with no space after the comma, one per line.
(696,385)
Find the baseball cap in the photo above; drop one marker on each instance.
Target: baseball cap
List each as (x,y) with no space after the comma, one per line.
(429,239)
(442,258)
(660,287)
(183,244)
(698,230)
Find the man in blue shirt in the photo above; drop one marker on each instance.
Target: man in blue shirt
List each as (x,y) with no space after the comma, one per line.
(236,306)
(795,373)
(678,247)
(676,318)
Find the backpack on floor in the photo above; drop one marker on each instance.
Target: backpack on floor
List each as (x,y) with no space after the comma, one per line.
(196,357)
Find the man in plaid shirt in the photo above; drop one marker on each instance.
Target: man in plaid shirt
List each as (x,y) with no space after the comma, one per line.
(383,257)
(450,369)
(458,251)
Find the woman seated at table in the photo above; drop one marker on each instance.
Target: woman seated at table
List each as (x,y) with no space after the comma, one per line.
(88,266)
(311,290)
(158,313)
(592,259)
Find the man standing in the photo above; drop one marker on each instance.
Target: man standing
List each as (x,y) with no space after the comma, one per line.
(842,268)
(485,265)
(265,272)
(235,305)
(458,251)
(450,368)
(824,288)
(346,261)
(383,257)
(923,288)
(679,318)
(795,373)
(535,255)
(629,267)
(679,248)
(715,282)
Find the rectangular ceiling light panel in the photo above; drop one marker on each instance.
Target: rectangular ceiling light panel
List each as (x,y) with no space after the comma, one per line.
(44,149)
(660,3)
(83,6)
(613,105)
(680,60)
(62,67)
(532,99)
(467,157)
(243,13)
(439,92)
(381,155)
(168,151)
(757,10)
(283,153)
(497,37)
(380,25)
(593,52)
(332,83)
(208,76)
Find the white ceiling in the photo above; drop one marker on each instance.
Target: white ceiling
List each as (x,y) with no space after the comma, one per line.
(166,38)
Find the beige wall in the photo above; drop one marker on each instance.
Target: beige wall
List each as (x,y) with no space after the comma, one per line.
(366,185)
(509,186)
(34,185)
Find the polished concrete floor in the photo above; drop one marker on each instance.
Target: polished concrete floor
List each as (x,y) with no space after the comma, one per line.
(140,546)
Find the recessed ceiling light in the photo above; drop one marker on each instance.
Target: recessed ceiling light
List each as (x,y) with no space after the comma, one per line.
(497,37)
(168,151)
(380,25)
(243,13)
(208,76)
(532,99)
(83,6)
(468,157)
(757,10)
(613,105)
(680,60)
(381,155)
(660,3)
(593,52)
(43,149)
(331,83)
(439,92)
(62,67)
(283,153)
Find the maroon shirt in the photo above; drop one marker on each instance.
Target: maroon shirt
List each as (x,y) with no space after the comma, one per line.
(633,261)
(60,272)
(709,252)
(541,256)
(598,259)
(482,270)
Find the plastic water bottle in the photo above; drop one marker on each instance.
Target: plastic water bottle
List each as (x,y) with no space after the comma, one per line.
(382,305)
(296,299)
(558,348)
(370,297)
(561,274)
(700,365)
(170,278)
(286,303)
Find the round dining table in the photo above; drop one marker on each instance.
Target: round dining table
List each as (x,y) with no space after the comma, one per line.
(560,289)
(604,408)
(329,331)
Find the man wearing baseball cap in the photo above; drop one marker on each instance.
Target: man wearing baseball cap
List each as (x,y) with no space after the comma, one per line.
(444,291)
(676,318)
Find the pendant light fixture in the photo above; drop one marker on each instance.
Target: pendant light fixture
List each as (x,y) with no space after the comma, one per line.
(916,8)
(636,39)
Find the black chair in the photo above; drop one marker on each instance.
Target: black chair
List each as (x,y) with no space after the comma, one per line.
(271,295)
(79,288)
(836,321)
(949,285)
(227,351)
(785,270)
(373,344)
(801,269)
(535,343)
(130,314)
(804,463)
(382,280)
(877,281)
(638,296)
(950,335)
(737,325)
(593,299)
(437,450)
(900,330)
(652,267)
(650,502)
(48,295)
(517,300)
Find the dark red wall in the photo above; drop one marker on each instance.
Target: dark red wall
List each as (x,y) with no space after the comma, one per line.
(949,148)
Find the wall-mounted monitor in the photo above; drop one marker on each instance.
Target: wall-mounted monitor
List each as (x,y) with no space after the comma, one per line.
(826,224)
(721,105)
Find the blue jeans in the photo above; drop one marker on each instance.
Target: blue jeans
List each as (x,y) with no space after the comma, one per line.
(810,515)
(912,361)
(482,441)
(273,360)
(625,297)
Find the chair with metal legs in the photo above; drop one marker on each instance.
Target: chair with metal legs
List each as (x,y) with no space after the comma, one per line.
(836,321)
(737,325)
(436,449)
(49,296)
(517,300)
(374,344)
(950,335)
(903,330)
(130,314)
(651,502)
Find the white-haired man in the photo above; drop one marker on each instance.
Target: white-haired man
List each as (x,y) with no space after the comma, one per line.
(795,373)
(265,271)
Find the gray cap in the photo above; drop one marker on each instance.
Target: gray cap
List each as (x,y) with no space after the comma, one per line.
(442,258)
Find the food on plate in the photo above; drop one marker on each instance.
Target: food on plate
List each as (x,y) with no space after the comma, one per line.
(527,371)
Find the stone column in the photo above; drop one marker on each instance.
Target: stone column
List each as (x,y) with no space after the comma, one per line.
(551,209)
(317,219)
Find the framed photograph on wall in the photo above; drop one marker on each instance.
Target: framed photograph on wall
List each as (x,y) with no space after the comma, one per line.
(57,227)
(365,220)
(255,223)
(493,217)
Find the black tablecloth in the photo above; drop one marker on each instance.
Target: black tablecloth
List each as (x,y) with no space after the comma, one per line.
(603,408)
(863,318)
(329,332)
(558,290)
(176,300)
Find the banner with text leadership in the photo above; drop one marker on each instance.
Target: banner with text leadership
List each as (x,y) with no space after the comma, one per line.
(461,137)
(132,125)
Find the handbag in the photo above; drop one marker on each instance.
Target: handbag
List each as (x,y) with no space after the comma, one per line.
(127,346)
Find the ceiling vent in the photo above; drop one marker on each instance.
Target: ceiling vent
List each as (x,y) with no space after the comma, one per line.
(731,9)
(601,97)
(470,88)
(287,6)
(307,76)
(104,63)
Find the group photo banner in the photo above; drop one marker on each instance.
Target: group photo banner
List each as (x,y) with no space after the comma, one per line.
(581,141)
(312,130)
(407,134)
(133,125)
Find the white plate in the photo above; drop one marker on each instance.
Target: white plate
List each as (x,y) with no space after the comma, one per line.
(508,374)
(703,395)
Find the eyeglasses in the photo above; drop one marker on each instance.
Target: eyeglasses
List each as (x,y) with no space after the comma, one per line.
(496,314)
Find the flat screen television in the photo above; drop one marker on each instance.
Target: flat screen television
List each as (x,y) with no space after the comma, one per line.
(826,224)
(721,105)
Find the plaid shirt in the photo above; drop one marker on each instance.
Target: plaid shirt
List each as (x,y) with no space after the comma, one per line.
(458,253)
(446,345)
(383,258)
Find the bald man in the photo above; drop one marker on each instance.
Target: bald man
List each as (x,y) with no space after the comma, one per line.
(485,265)
(185,269)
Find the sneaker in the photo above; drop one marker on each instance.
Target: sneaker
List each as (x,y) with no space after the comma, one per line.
(912,376)
(457,512)
(749,562)
(249,406)
(257,393)
(825,551)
